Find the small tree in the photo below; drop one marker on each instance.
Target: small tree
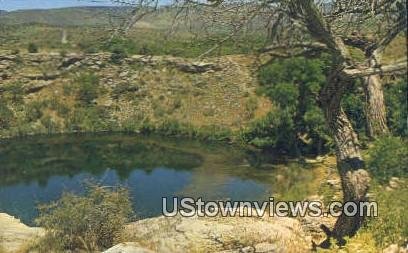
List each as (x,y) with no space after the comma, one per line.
(32,48)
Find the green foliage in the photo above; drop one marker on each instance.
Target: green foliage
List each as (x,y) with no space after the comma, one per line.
(272,131)
(388,158)
(32,48)
(118,55)
(14,92)
(33,111)
(87,88)
(92,222)
(353,104)
(296,123)
(397,106)
(6,115)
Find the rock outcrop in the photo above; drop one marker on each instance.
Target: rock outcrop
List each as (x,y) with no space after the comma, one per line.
(219,234)
(14,235)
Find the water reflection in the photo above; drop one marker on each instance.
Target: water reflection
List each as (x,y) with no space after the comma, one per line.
(39,169)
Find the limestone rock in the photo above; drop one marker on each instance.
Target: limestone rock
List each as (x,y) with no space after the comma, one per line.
(394,248)
(265,248)
(128,247)
(14,234)
(218,234)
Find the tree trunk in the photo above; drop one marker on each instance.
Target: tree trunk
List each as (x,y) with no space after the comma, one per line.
(375,107)
(350,165)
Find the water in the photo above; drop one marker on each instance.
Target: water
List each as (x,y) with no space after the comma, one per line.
(39,169)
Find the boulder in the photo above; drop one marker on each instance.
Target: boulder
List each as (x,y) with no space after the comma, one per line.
(219,234)
(128,247)
(14,234)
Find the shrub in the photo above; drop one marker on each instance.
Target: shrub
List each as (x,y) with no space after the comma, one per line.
(34,111)
(396,97)
(14,92)
(32,48)
(92,222)
(6,115)
(117,56)
(88,88)
(388,158)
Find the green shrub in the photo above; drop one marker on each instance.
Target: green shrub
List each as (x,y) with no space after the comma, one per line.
(88,88)
(274,130)
(34,111)
(388,158)
(32,48)
(117,56)
(397,106)
(14,92)
(6,116)
(92,222)
(353,105)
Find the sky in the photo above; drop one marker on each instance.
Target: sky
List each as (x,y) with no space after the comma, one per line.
(11,5)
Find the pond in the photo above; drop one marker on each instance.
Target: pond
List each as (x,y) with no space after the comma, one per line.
(36,170)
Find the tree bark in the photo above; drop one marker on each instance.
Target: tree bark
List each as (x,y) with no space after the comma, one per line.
(350,165)
(375,107)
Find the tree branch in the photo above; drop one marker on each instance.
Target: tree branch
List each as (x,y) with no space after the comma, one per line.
(313,45)
(387,69)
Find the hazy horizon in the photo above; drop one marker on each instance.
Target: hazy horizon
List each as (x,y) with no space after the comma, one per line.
(14,5)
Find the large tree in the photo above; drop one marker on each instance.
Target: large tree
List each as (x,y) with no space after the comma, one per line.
(308,27)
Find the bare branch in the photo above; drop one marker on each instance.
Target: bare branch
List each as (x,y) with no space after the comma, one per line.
(400,66)
(313,45)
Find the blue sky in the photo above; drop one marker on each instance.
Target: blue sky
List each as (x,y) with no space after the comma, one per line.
(10,5)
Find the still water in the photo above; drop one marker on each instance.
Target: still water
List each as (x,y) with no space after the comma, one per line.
(36,170)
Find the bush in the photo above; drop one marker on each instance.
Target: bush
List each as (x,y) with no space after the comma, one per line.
(32,48)
(388,158)
(92,222)
(6,116)
(117,56)
(88,88)
(397,106)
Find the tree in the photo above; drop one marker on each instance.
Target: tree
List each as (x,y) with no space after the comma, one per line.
(309,28)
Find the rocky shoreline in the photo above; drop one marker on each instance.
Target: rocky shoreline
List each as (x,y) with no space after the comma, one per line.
(179,234)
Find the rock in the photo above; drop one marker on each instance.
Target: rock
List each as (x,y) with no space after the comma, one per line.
(388,189)
(265,248)
(128,247)
(218,234)
(8,57)
(280,178)
(394,183)
(70,60)
(197,67)
(393,248)
(33,87)
(333,182)
(123,74)
(14,234)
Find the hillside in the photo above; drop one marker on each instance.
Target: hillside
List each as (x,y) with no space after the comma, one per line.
(47,93)
(78,16)
(74,16)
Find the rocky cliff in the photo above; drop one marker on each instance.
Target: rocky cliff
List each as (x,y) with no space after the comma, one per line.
(46,92)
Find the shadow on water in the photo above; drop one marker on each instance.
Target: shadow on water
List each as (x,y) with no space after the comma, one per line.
(38,169)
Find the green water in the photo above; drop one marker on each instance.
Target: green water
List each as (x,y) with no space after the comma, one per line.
(38,169)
